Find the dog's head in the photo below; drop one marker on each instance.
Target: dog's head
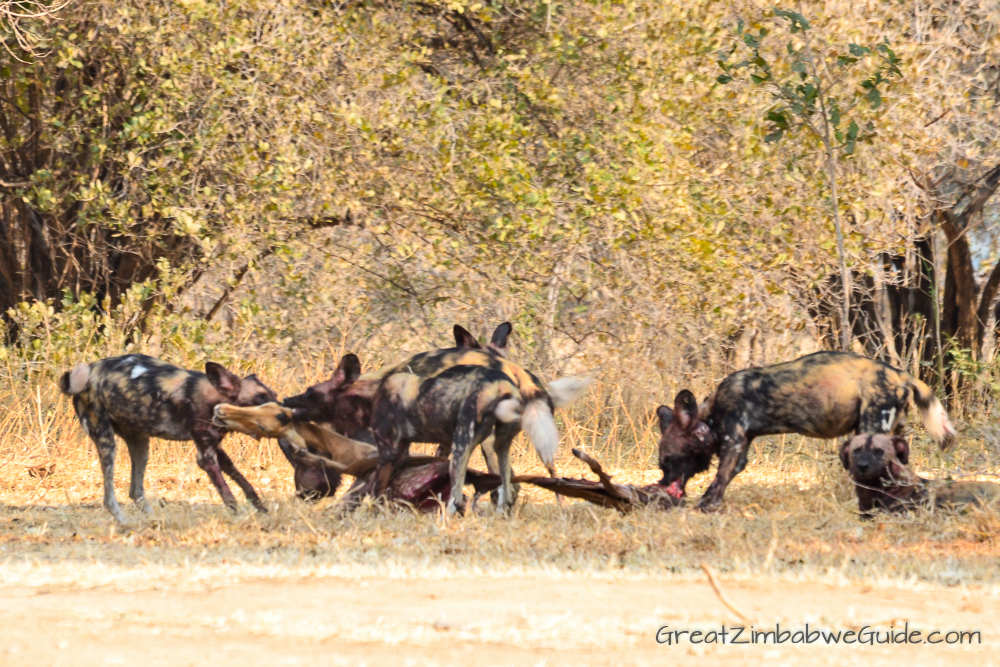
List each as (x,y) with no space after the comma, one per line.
(497,344)
(872,458)
(686,443)
(247,391)
(262,421)
(322,402)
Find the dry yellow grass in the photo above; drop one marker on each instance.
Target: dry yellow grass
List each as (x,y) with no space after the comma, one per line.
(792,513)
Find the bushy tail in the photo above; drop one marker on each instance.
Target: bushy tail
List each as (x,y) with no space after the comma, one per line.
(567,389)
(540,427)
(75,381)
(935,417)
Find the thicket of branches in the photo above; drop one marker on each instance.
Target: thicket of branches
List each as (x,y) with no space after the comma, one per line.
(317,171)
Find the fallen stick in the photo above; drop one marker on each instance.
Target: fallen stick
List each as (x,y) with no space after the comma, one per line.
(714,580)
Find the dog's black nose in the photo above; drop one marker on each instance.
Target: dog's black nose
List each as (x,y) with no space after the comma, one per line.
(867,461)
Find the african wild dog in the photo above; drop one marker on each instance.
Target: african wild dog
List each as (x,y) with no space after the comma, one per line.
(320,456)
(345,401)
(457,408)
(821,395)
(877,465)
(139,397)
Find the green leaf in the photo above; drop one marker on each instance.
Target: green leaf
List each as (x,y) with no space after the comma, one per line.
(723,79)
(773,136)
(874,98)
(799,23)
(834,114)
(778,118)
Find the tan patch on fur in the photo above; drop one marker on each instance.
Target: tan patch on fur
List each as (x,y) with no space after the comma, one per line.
(521,379)
(172,384)
(404,385)
(490,393)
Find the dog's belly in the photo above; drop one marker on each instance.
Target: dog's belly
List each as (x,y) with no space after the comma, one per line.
(810,418)
(154,421)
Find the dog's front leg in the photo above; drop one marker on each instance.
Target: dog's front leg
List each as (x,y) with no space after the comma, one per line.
(732,459)
(208,460)
(391,450)
(229,468)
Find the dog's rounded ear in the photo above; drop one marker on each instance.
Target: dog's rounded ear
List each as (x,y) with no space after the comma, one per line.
(501,335)
(845,454)
(225,382)
(347,371)
(465,339)
(686,409)
(902,448)
(666,416)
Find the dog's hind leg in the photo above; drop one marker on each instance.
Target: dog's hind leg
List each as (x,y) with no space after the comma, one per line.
(138,453)
(229,468)
(489,451)
(103,436)
(507,493)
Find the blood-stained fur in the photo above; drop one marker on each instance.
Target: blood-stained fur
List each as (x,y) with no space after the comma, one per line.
(877,465)
(139,397)
(822,395)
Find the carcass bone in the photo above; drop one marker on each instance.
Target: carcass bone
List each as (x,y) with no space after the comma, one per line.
(622,497)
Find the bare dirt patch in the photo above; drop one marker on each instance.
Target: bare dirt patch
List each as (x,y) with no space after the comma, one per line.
(486,620)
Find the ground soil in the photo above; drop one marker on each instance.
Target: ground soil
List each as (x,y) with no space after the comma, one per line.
(478,620)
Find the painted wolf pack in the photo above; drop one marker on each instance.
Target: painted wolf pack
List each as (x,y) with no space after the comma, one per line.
(471,395)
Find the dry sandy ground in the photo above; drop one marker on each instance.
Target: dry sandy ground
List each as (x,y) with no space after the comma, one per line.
(456,620)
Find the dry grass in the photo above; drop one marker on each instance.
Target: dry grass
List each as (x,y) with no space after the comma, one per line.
(790,514)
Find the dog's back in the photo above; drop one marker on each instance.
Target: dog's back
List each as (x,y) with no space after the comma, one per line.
(825,395)
(138,397)
(137,394)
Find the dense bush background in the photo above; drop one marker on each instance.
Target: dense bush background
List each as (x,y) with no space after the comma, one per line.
(299,178)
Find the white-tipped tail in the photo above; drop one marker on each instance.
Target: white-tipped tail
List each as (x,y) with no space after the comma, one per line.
(937,423)
(76,380)
(935,417)
(540,427)
(508,410)
(567,389)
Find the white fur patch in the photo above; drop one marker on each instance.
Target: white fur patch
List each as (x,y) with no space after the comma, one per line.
(508,410)
(888,419)
(540,427)
(567,389)
(138,370)
(78,378)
